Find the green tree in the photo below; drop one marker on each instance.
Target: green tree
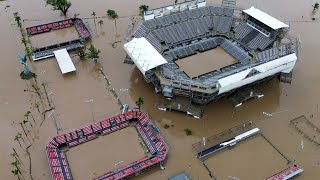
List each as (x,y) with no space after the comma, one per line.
(28,114)
(143,8)
(17,138)
(140,102)
(93,53)
(81,52)
(15,172)
(188,131)
(315,6)
(61,5)
(113,15)
(94,18)
(21,124)
(16,165)
(100,22)
(17,18)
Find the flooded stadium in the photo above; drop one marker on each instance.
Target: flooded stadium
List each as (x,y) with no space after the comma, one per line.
(85,97)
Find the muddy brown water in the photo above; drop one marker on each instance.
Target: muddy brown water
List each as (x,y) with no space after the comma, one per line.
(111,151)
(54,37)
(205,62)
(70,93)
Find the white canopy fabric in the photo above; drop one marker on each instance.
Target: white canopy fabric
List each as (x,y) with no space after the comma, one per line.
(265,18)
(64,61)
(143,54)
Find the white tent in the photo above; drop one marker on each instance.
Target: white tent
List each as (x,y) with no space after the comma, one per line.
(64,61)
(143,54)
(265,18)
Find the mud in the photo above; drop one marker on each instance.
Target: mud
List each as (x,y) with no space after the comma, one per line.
(69,93)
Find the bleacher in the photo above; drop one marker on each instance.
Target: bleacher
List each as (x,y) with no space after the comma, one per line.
(275,52)
(236,51)
(45,52)
(186,25)
(82,29)
(251,37)
(148,132)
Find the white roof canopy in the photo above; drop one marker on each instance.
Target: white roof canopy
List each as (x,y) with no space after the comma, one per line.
(143,54)
(265,18)
(64,61)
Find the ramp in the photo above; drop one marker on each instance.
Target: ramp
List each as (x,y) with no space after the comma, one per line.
(65,63)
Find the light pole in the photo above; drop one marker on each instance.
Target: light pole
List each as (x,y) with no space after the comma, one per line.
(91,107)
(124,104)
(125,95)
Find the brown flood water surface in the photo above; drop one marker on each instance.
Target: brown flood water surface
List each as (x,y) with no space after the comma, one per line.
(105,154)
(54,37)
(205,62)
(71,94)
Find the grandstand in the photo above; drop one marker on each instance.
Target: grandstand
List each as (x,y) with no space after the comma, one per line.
(147,131)
(253,39)
(47,51)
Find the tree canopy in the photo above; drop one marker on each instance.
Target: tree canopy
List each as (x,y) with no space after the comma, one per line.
(139,102)
(112,14)
(143,8)
(61,5)
(93,53)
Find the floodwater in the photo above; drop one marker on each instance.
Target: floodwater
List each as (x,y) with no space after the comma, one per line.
(54,37)
(71,94)
(205,62)
(110,151)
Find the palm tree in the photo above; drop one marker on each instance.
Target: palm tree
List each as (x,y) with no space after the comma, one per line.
(17,138)
(25,123)
(94,18)
(139,102)
(16,165)
(100,22)
(93,53)
(28,113)
(36,105)
(17,18)
(15,152)
(143,8)
(15,156)
(315,6)
(15,172)
(113,15)
(25,133)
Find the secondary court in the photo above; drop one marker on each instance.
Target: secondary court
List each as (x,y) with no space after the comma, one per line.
(107,153)
(205,62)
(247,160)
(54,37)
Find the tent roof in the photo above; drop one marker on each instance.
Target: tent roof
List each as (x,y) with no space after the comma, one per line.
(265,18)
(143,54)
(65,63)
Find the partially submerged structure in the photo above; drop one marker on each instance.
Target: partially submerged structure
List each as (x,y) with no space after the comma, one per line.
(147,131)
(228,138)
(287,173)
(47,51)
(169,34)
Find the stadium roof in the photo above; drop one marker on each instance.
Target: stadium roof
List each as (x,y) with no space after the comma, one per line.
(265,18)
(143,54)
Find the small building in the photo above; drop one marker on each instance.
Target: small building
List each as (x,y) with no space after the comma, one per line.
(181,176)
